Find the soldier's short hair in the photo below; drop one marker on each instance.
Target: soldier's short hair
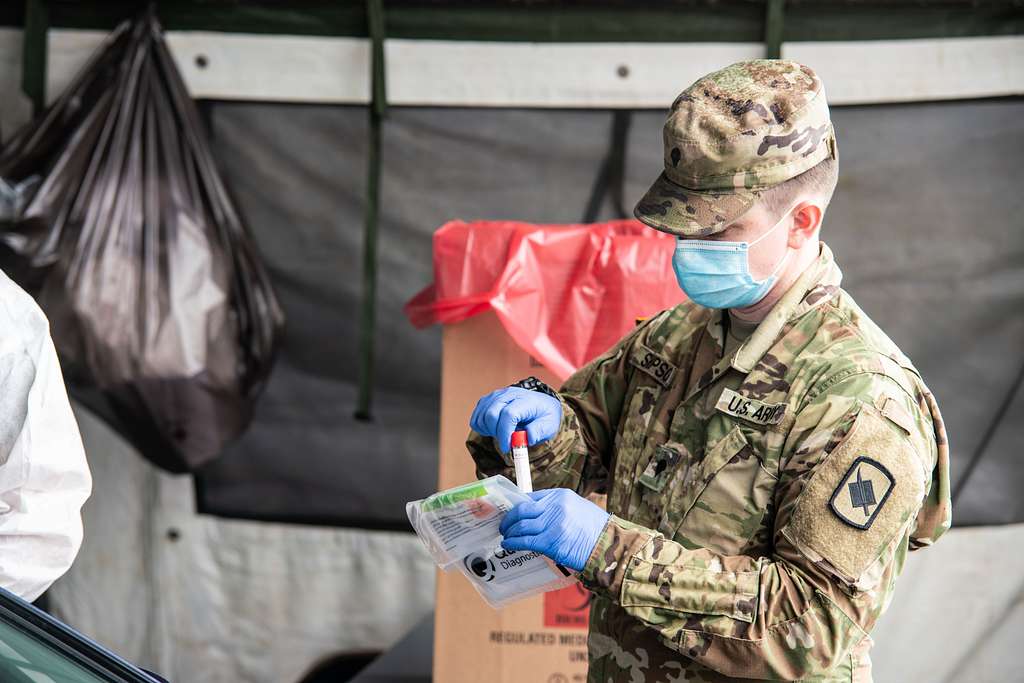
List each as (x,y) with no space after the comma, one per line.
(817,181)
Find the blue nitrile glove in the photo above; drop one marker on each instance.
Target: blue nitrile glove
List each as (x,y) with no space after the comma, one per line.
(502,412)
(557,523)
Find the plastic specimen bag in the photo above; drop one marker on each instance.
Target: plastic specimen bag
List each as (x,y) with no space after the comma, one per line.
(114,217)
(459,527)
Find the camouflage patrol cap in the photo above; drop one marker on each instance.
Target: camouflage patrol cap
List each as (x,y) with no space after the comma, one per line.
(730,136)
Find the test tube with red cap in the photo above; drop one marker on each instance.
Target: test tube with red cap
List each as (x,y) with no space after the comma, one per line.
(521,460)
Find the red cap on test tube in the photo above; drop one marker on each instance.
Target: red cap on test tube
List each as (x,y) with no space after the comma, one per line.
(519,439)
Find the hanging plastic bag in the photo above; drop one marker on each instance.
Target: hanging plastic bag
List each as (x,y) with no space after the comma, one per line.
(113,215)
(459,528)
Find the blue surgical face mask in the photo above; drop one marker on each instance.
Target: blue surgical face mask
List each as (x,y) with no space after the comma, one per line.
(716,274)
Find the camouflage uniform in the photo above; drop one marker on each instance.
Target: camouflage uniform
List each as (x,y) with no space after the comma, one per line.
(762,501)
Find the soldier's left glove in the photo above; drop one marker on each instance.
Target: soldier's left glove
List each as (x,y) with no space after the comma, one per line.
(557,523)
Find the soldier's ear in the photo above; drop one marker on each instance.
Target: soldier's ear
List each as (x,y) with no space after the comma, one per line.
(807,217)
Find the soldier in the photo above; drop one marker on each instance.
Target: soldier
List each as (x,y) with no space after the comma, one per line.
(769,454)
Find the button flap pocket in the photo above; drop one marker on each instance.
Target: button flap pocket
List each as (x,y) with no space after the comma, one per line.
(724,450)
(692,483)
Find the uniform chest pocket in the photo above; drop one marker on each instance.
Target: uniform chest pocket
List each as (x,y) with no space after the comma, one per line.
(722,502)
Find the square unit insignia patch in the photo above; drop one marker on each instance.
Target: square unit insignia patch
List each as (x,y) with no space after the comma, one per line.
(862,492)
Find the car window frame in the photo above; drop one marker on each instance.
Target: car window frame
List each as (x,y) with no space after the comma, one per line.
(69,643)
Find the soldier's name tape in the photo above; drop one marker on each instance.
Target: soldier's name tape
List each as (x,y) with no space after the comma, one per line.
(750,409)
(660,370)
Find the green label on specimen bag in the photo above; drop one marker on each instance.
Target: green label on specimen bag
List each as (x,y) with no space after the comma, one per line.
(453,496)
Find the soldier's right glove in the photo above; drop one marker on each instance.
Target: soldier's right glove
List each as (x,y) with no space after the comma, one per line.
(502,412)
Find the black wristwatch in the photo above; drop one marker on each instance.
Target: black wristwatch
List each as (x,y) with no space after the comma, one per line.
(534,384)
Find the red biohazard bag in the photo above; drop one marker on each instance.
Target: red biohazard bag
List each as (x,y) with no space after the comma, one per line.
(564,293)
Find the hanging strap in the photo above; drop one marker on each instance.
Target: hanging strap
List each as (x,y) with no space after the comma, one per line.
(377,110)
(33,56)
(611,177)
(774,19)
(378,91)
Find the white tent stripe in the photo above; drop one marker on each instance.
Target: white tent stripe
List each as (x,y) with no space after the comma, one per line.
(283,68)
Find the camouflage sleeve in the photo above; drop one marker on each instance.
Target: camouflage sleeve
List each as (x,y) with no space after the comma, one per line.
(854,471)
(577,457)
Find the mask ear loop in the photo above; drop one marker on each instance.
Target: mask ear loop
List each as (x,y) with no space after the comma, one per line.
(781,263)
(750,244)
(788,250)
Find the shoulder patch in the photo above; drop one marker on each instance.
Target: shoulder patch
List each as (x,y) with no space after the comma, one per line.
(858,496)
(750,409)
(861,494)
(660,370)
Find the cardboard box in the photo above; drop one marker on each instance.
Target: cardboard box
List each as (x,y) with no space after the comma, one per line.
(542,639)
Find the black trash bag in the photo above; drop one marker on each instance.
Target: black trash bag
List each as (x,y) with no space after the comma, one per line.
(113,215)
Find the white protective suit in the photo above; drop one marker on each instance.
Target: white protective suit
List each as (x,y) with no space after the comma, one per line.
(44,477)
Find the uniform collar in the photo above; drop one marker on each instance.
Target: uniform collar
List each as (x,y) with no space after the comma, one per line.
(816,285)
